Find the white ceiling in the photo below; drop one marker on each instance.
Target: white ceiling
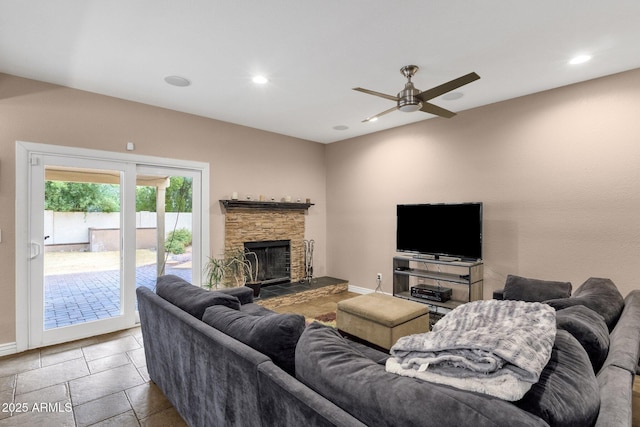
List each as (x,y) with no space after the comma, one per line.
(314,53)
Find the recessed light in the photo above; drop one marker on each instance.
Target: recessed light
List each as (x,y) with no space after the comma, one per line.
(341,127)
(452,96)
(260,80)
(580,59)
(177,81)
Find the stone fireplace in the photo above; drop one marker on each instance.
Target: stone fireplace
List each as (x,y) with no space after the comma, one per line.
(265,224)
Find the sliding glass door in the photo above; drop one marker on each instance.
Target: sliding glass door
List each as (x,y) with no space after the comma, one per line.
(95,226)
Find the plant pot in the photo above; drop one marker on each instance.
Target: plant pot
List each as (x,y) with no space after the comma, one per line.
(255,287)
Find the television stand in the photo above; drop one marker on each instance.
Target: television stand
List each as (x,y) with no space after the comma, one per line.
(465,278)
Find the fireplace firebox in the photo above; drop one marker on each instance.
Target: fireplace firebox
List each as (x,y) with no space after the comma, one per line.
(274,260)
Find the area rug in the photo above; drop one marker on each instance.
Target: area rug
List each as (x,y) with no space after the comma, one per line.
(328,319)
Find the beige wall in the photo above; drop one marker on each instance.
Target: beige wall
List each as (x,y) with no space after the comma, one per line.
(558,172)
(241,159)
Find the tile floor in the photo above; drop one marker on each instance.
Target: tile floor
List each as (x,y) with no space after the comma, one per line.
(99,381)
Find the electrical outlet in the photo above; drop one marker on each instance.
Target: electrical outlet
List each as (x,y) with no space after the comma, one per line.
(379,276)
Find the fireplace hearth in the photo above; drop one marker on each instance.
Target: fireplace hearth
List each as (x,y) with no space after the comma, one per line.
(274,260)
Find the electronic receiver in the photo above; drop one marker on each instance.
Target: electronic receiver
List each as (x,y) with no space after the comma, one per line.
(431,293)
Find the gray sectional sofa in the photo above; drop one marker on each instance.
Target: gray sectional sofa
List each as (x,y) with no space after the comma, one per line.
(223,360)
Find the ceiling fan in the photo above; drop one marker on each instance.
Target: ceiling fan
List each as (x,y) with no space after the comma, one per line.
(411,99)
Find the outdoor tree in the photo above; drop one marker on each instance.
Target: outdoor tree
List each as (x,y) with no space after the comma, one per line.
(81,197)
(177,199)
(61,196)
(145,199)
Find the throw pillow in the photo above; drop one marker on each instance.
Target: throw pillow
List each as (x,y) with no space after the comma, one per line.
(328,364)
(190,298)
(274,335)
(589,328)
(534,290)
(567,393)
(600,295)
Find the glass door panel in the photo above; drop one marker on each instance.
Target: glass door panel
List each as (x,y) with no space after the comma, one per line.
(82,267)
(77,256)
(167,236)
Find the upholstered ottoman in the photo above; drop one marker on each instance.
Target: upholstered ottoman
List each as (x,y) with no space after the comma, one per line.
(381,319)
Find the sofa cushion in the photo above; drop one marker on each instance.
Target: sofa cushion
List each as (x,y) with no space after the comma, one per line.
(589,328)
(600,295)
(328,364)
(255,309)
(568,393)
(190,298)
(243,293)
(274,335)
(534,290)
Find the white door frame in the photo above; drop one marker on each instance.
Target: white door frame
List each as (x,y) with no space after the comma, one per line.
(24,152)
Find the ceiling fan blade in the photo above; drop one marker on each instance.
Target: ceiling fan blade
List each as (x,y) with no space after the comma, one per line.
(438,111)
(447,87)
(372,92)
(368,119)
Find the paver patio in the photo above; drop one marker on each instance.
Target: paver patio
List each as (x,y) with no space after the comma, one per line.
(84,297)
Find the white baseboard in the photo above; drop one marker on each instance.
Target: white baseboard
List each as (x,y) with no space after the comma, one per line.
(8,348)
(361,290)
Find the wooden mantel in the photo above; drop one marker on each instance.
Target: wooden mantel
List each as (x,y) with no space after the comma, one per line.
(255,204)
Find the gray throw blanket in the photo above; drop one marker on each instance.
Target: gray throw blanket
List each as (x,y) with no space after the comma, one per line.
(492,347)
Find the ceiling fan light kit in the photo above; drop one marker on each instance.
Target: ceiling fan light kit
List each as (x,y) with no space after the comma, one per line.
(411,99)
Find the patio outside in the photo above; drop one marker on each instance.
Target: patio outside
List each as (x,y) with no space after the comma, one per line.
(86,285)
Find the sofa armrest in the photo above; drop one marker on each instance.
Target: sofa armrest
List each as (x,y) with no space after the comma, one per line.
(498,294)
(616,396)
(243,293)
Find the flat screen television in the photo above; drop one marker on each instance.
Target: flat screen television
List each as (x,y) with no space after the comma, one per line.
(440,230)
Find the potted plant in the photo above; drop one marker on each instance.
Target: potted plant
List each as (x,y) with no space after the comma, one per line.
(243,266)
(214,272)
